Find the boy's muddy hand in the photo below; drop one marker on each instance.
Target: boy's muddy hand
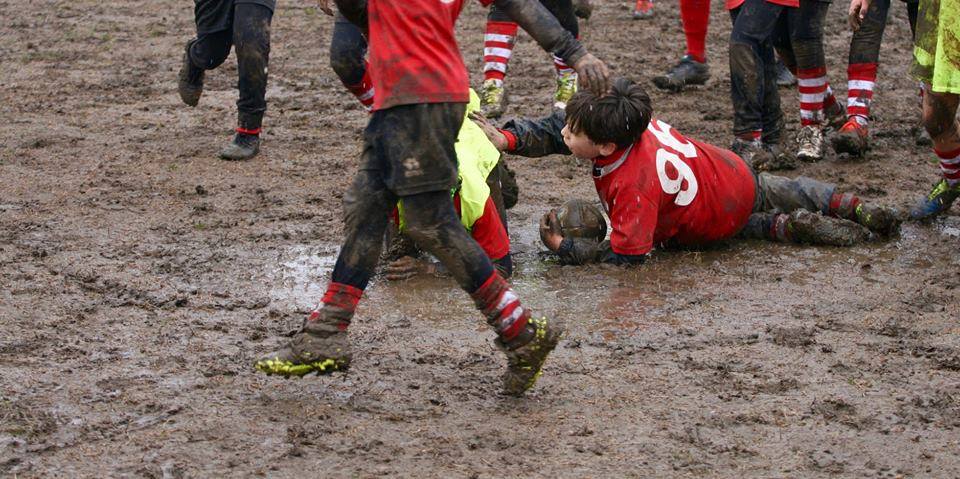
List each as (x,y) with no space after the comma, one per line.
(550,232)
(493,133)
(408,267)
(593,73)
(857,12)
(325,7)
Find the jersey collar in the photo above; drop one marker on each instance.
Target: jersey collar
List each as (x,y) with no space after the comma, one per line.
(600,170)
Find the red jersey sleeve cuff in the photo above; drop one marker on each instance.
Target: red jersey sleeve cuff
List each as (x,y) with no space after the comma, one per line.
(511,140)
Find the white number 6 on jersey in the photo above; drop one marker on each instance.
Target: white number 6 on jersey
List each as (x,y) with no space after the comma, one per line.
(673,186)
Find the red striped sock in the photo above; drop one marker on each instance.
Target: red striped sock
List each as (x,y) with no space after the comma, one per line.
(812,84)
(498,41)
(695,16)
(950,165)
(562,68)
(502,307)
(861,78)
(364,90)
(338,305)
(843,205)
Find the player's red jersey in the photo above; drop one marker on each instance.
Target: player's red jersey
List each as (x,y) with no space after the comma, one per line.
(667,187)
(414,57)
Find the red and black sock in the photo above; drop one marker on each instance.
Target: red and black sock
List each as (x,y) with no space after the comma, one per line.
(337,306)
(503,310)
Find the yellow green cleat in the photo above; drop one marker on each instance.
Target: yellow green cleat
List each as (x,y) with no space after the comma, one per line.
(525,363)
(320,352)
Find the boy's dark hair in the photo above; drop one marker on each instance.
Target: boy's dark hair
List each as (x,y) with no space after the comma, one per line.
(619,116)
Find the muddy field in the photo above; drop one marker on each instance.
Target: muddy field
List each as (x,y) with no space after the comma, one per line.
(141,276)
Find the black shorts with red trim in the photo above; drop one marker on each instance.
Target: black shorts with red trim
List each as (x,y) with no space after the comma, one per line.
(411,147)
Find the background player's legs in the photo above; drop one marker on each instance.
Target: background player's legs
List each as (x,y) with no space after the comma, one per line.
(806,35)
(564,11)
(499,38)
(750,50)
(940,121)
(692,68)
(206,52)
(861,79)
(251,39)
(347,51)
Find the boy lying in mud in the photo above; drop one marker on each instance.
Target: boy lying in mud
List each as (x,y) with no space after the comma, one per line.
(478,202)
(660,188)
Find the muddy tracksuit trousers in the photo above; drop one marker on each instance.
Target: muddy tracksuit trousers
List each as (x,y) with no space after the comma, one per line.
(245,26)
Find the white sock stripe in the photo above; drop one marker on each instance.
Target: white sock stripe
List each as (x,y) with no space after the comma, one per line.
(505,299)
(809,115)
(955,161)
(497,52)
(497,66)
(811,97)
(860,85)
(949,171)
(858,102)
(812,82)
(497,37)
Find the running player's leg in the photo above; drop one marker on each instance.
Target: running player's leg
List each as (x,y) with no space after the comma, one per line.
(564,11)
(348,48)
(251,39)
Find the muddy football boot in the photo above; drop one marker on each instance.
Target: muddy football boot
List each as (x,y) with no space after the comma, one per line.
(566,87)
(851,138)
(583,9)
(835,116)
(746,149)
(879,219)
(493,98)
(774,158)
(190,79)
(643,9)
(937,201)
(687,72)
(525,363)
(243,147)
(784,77)
(813,228)
(318,348)
(810,143)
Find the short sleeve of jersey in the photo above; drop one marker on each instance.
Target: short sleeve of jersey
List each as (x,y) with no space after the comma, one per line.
(633,218)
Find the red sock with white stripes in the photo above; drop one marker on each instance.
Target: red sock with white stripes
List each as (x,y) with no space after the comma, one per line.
(695,16)
(562,68)
(364,90)
(498,41)
(950,165)
(812,84)
(829,99)
(861,77)
(502,308)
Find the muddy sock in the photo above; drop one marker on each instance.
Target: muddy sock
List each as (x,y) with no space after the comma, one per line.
(950,165)
(498,41)
(861,78)
(779,229)
(812,84)
(844,205)
(364,90)
(335,310)
(504,313)
(562,68)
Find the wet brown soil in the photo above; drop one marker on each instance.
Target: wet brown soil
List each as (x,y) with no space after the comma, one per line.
(140,277)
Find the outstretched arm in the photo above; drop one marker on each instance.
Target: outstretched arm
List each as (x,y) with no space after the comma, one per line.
(526,137)
(581,250)
(533,17)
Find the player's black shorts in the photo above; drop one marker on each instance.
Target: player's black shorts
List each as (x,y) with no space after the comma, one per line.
(411,147)
(217,15)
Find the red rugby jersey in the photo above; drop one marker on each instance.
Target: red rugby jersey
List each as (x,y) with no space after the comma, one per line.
(667,187)
(414,56)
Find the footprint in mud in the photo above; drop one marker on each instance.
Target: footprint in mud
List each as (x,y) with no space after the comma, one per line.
(840,411)
(792,337)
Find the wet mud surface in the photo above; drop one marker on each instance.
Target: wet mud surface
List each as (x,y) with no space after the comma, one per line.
(141,276)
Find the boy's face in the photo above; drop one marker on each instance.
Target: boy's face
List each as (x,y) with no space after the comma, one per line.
(583,147)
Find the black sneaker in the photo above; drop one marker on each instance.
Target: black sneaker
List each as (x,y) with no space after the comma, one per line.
(243,147)
(687,72)
(190,78)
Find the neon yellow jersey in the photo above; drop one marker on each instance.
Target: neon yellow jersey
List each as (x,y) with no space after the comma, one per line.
(936,54)
(476,158)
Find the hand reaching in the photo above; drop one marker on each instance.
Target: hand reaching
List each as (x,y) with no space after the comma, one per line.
(550,232)
(493,133)
(408,267)
(858,10)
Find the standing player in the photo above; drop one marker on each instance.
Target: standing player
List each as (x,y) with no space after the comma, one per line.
(935,64)
(408,155)
(499,38)
(660,187)
(245,25)
(692,68)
